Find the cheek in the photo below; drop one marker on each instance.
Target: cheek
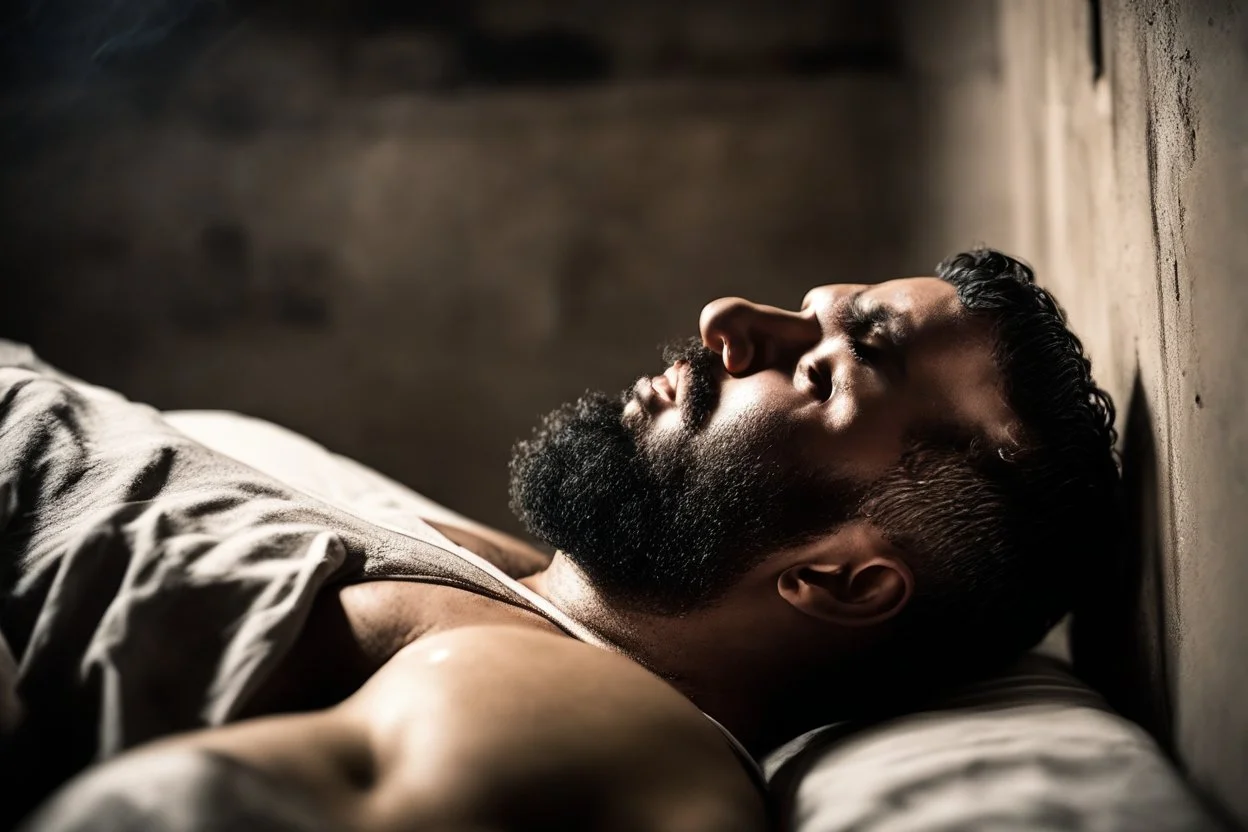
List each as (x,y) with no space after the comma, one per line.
(766,413)
(738,402)
(768,421)
(761,410)
(869,441)
(861,437)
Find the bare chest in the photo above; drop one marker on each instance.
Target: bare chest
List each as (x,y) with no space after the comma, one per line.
(352,631)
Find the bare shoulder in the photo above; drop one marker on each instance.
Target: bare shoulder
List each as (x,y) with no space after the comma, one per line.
(506,728)
(514,728)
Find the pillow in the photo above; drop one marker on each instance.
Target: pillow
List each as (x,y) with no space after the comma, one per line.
(1030,749)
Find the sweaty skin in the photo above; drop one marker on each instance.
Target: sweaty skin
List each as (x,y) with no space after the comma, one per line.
(487,728)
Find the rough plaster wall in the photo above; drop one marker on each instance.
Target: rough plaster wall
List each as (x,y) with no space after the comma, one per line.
(1132,199)
(379,237)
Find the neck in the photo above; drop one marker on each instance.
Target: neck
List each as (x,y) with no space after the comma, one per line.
(723,658)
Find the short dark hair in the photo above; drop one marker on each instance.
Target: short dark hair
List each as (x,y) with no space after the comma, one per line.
(995,534)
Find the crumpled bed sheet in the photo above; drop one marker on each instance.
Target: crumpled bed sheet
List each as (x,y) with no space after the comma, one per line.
(147,584)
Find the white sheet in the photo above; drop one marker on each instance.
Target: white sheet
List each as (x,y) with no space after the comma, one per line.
(1033,749)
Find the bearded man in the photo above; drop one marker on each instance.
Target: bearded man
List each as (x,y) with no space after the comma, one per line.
(810,515)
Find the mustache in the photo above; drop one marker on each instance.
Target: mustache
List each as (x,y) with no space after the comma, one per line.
(701,390)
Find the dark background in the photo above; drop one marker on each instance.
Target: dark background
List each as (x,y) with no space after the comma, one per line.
(407,229)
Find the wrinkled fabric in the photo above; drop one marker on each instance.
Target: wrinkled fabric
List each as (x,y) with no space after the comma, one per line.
(148,585)
(1031,748)
(177,791)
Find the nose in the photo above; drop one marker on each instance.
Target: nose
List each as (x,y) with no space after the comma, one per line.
(751,336)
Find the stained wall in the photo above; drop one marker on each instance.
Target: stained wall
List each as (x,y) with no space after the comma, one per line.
(1128,129)
(409,229)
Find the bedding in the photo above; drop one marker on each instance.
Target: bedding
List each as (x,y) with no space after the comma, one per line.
(148,585)
(1031,749)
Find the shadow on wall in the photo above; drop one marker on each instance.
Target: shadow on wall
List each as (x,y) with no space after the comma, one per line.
(1118,636)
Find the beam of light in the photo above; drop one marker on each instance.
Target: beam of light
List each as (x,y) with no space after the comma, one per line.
(77,35)
(126,25)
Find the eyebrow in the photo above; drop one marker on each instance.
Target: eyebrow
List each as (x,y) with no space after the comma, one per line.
(879,315)
(884,319)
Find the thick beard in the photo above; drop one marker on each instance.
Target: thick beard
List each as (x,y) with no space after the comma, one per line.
(665,526)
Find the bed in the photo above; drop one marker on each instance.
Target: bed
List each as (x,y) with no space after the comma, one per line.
(1032,748)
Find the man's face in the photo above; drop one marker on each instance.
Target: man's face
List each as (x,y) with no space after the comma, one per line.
(760,436)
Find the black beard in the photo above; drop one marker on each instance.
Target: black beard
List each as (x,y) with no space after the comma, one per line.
(665,526)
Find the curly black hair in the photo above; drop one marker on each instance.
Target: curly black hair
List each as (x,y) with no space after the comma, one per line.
(999,535)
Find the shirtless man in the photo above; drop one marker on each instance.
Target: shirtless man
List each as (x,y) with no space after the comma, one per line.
(811,515)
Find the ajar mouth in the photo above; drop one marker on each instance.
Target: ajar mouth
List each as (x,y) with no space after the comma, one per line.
(668,385)
(673,379)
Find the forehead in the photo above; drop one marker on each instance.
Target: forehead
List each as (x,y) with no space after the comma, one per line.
(925,301)
(949,353)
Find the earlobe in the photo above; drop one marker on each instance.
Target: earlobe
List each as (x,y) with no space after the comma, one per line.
(852,594)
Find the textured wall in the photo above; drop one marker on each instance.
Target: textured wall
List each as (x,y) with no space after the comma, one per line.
(1130,134)
(409,229)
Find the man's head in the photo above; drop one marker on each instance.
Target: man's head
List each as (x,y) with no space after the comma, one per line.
(927,460)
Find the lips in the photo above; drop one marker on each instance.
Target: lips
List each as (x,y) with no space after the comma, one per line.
(661,392)
(665,387)
(669,387)
(653,395)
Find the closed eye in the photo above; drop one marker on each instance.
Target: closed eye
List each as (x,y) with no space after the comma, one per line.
(861,321)
(864,352)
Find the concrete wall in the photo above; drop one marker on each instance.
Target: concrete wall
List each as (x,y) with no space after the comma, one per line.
(1129,130)
(408,231)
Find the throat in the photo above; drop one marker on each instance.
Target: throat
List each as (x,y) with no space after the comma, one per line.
(722,661)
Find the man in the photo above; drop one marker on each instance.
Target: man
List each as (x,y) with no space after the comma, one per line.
(810,515)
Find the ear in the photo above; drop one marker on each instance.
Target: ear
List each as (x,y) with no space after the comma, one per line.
(854,578)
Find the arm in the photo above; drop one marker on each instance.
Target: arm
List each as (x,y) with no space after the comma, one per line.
(498,728)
